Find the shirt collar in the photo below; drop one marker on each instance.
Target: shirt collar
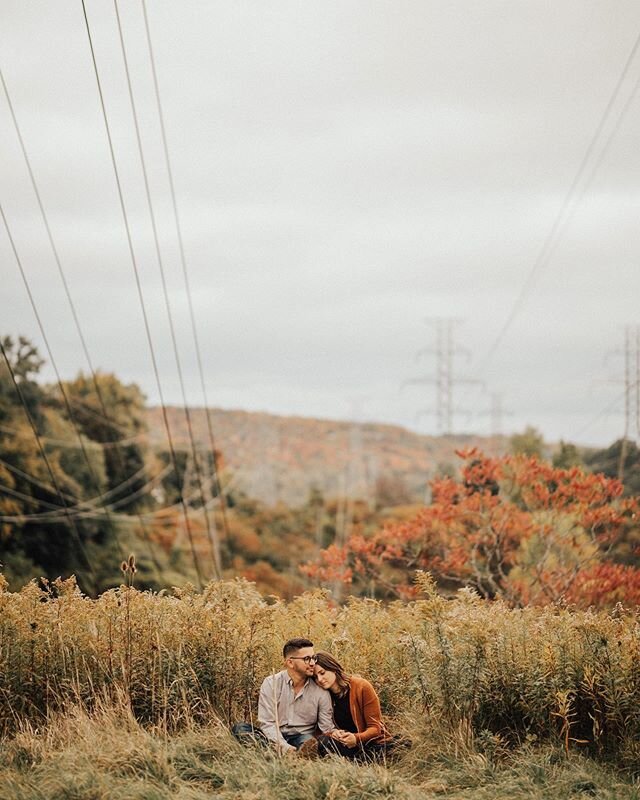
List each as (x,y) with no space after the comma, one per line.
(290,681)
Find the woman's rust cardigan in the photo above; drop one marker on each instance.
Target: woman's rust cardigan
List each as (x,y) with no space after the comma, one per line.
(365,710)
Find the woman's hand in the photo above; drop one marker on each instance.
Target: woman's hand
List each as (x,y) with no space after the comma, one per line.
(344,737)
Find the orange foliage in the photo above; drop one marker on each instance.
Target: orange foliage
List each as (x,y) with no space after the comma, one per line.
(605,585)
(334,565)
(269,581)
(512,527)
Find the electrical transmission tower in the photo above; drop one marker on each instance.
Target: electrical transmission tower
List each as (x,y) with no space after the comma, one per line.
(354,483)
(631,382)
(266,475)
(496,413)
(445,351)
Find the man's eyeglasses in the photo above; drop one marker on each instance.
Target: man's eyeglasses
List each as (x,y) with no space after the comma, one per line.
(306,659)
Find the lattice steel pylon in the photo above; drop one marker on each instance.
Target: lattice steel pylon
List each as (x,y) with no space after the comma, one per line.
(445,351)
(631,382)
(496,413)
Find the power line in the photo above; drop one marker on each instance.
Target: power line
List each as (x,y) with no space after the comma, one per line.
(631,394)
(31,499)
(154,227)
(70,521)
(72,306)
(185,272)
(570,212)
(83,510)
(140,294)
(116,426)
(90,444)
(92,502)
(54,366)
(552,238)
(56,517)
(87,511)
(496,413)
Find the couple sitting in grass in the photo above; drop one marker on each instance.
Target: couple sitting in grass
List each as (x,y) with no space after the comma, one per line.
(312,707)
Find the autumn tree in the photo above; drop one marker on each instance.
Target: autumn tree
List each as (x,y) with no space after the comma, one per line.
(567,456)
(36,537)
(111,413)
(608,461)
(513,527)
(391,490)
(528,443)
(58,470)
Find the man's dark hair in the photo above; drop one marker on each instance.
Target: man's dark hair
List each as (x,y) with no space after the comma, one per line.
(293,645)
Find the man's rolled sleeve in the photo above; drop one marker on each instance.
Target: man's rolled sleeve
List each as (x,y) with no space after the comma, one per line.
(325,713)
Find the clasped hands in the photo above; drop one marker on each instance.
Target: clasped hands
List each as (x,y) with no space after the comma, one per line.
(344,737)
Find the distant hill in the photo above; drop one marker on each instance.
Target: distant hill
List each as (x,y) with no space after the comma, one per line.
(276,458)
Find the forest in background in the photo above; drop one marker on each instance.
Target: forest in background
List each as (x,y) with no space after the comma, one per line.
(281,459)
(98,482)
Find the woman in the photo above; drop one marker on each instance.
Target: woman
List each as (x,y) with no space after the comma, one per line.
(360,732)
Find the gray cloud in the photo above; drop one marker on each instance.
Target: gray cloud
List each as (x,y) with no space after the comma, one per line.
(343,170)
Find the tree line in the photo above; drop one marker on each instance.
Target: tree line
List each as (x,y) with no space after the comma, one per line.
(502,525)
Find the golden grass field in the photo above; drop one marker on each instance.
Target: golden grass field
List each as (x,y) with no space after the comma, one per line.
(130,695)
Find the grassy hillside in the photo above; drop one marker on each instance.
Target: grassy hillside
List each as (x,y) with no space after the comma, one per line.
(281,458)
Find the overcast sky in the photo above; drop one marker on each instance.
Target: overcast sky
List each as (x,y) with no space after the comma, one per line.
(344,171)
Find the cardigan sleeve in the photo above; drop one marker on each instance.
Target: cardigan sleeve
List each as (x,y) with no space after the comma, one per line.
(371,713)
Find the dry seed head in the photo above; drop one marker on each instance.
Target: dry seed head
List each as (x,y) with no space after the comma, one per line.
(426,583)
(124,566)
(132,561)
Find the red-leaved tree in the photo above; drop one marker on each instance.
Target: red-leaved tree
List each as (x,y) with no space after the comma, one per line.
(513,527)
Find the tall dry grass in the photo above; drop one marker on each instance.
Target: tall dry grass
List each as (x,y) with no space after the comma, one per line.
(466,671)
(109,755)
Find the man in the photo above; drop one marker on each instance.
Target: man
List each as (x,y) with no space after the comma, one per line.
(291,705)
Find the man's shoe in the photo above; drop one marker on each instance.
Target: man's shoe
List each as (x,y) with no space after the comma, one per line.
(309,749)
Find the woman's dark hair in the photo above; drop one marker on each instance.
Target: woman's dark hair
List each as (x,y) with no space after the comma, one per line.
(327,661)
